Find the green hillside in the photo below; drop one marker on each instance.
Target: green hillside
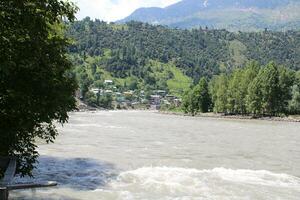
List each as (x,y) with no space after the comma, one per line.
(140,56)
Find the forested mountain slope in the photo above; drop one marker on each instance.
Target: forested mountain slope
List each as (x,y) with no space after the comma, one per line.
(159,58)
(234,15)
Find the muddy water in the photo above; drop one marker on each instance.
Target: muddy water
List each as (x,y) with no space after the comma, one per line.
(146,155)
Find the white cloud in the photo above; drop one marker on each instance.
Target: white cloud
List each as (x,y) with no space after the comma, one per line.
(112,10)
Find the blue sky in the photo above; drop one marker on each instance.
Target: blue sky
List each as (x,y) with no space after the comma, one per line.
(111,10)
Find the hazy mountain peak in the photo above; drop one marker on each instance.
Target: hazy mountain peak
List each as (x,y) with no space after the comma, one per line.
(205,3)
(229,14)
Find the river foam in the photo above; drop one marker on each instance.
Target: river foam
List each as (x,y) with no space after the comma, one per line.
(170,183)
(218,183)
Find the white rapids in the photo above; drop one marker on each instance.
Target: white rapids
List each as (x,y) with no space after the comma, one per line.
(219,183)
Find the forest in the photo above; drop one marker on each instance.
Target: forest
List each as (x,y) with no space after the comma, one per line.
(140,56)
(256,90)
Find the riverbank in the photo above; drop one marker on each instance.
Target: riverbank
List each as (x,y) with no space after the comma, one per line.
(291,118)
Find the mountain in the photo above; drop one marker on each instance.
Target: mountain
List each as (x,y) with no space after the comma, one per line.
(235,15)
(150,57)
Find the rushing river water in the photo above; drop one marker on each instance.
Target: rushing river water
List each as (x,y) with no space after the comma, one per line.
(145,155)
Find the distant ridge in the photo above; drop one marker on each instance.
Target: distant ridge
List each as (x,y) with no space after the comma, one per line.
(244,15)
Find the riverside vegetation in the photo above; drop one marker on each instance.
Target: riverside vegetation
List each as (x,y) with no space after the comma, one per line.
(256,90)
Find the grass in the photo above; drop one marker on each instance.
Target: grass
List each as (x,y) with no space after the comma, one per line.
(179,81)
(237,50)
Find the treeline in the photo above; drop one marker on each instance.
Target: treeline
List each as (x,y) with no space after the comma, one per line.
(269,90)
(126,50)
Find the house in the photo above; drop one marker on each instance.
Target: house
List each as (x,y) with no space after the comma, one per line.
(95,90)
(177,102)
(108,82)
(155,99)
(166,102)
(161,92)
(170,98)
(128,93)
(108,92)
(120,99)
(144,101)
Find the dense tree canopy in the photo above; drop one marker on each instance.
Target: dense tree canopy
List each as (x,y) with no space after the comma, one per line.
(256,90)
(36,86)
(198,99)
(130,50)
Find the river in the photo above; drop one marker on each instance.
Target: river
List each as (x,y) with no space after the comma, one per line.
(133,155)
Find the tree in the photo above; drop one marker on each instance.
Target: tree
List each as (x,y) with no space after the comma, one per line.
(187,102)
(264,91)
(294,103)
(249,74)
(254,97)
(270,89)
(91,98)
(36,86)
(197,99)
(219,94)
(84,82)
(105,101)
(238,83)
(133,84)
(297,78)
(201,96)
(235,93)
(286,81)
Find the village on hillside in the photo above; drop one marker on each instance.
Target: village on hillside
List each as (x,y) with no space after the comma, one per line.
(111,97)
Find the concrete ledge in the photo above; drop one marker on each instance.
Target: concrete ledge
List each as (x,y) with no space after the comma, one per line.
(3,193)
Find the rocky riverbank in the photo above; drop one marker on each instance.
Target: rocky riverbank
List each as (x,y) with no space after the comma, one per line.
(291,118)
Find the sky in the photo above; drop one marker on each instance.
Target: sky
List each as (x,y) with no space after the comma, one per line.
(112,10)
